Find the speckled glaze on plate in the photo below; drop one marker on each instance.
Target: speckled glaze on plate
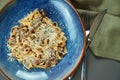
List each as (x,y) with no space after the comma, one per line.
(67,18)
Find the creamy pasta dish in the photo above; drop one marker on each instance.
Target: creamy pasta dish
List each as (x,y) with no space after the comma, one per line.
(37,42)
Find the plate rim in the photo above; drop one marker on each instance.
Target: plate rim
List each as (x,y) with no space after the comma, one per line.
(84,45)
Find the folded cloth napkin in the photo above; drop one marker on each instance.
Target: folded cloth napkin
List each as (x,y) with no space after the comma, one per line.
(106,42)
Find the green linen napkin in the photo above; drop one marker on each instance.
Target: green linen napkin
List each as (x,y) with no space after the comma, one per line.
(3,2)
(106,42)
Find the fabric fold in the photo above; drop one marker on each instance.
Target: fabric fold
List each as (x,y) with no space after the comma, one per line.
(106,42)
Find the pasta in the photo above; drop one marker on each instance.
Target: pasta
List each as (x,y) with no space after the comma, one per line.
(37,42)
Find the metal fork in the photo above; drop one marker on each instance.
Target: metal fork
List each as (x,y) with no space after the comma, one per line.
(96,23)
(91,32)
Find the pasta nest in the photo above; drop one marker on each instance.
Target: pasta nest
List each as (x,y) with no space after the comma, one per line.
(37,42)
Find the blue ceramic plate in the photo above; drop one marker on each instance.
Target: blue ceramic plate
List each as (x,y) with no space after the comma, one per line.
(67,18)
